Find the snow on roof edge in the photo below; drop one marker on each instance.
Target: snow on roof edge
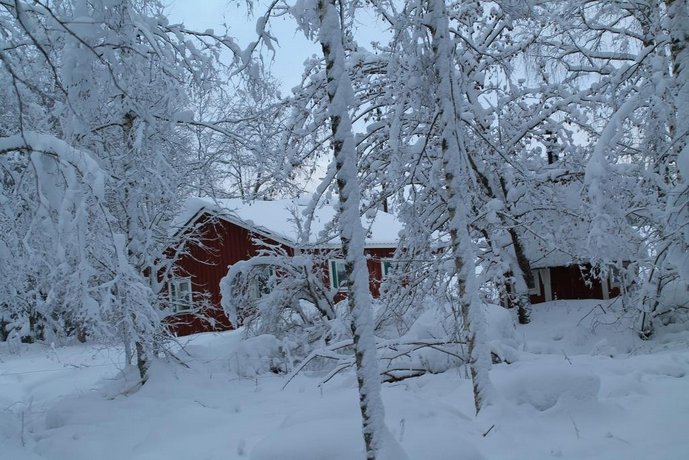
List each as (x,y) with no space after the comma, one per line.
(276,219)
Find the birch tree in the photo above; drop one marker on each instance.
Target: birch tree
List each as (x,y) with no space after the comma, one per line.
(102,83)
(457,179)
(628,56)
(331,37)
(491,44)
(327,22)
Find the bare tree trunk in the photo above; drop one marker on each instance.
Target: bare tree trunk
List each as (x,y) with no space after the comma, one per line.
(142,361)
(340,92)
(522,302)
(516,291)
(128,353)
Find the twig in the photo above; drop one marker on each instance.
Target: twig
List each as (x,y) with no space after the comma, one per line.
(130,390)
(178,359)
(315,354)
(576,428)
(566,357)
(392,378)
(399,346)
(22,429)
(590,311)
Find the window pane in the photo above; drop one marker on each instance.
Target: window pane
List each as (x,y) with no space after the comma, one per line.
(185,293)
(180,295)
(343,281)
(533,283)
(338,274)
(262,281)
(333,273)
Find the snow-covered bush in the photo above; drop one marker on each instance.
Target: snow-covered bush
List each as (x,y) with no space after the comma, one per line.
(285,296)
(258,355)
(434,343)
(673,302)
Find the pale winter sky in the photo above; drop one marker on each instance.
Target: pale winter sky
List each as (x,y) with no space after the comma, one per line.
(294,47)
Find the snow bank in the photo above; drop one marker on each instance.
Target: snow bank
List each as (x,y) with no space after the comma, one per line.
(316,440)
(675,295)
(426,344)
(256,356)
(330,440)
(566,404)
(592,327)
(501,333)
(14,437)
(544,388)
(430,325)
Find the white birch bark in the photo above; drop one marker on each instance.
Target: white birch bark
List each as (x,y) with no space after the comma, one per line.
(458,190)
(340,94)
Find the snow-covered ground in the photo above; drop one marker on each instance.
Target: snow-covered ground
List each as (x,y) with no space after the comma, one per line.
(581,386)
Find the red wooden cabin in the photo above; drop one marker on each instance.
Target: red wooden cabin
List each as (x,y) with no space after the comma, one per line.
(228,231)
(555,233)
(574,280)
(560,255)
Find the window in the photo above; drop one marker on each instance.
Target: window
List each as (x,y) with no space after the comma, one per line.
(338,275)
(180,294)
(387,267)
(615,278)
(535,284)
(263,282)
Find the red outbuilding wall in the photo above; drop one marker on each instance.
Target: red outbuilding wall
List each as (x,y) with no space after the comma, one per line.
(573,282)
(222,244)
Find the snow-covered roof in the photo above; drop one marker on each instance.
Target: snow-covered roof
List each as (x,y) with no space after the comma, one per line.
(557,233)
(542,252)
(277,219)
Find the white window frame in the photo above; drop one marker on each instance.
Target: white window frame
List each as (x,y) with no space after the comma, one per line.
(386,271)
(262,282)
(177,304)
(605,288)
(332,274)
(544,274)
(536,290)
(615,276)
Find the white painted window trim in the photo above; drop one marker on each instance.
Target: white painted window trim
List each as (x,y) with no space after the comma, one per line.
(605,287)
(544,274)
(385,272)
(177,305)
(612,283)
(332,274)
(536,290)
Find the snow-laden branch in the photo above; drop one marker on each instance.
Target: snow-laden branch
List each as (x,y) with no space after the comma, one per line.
(65,154)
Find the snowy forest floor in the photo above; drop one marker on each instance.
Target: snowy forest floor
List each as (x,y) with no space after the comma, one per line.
(582,387)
